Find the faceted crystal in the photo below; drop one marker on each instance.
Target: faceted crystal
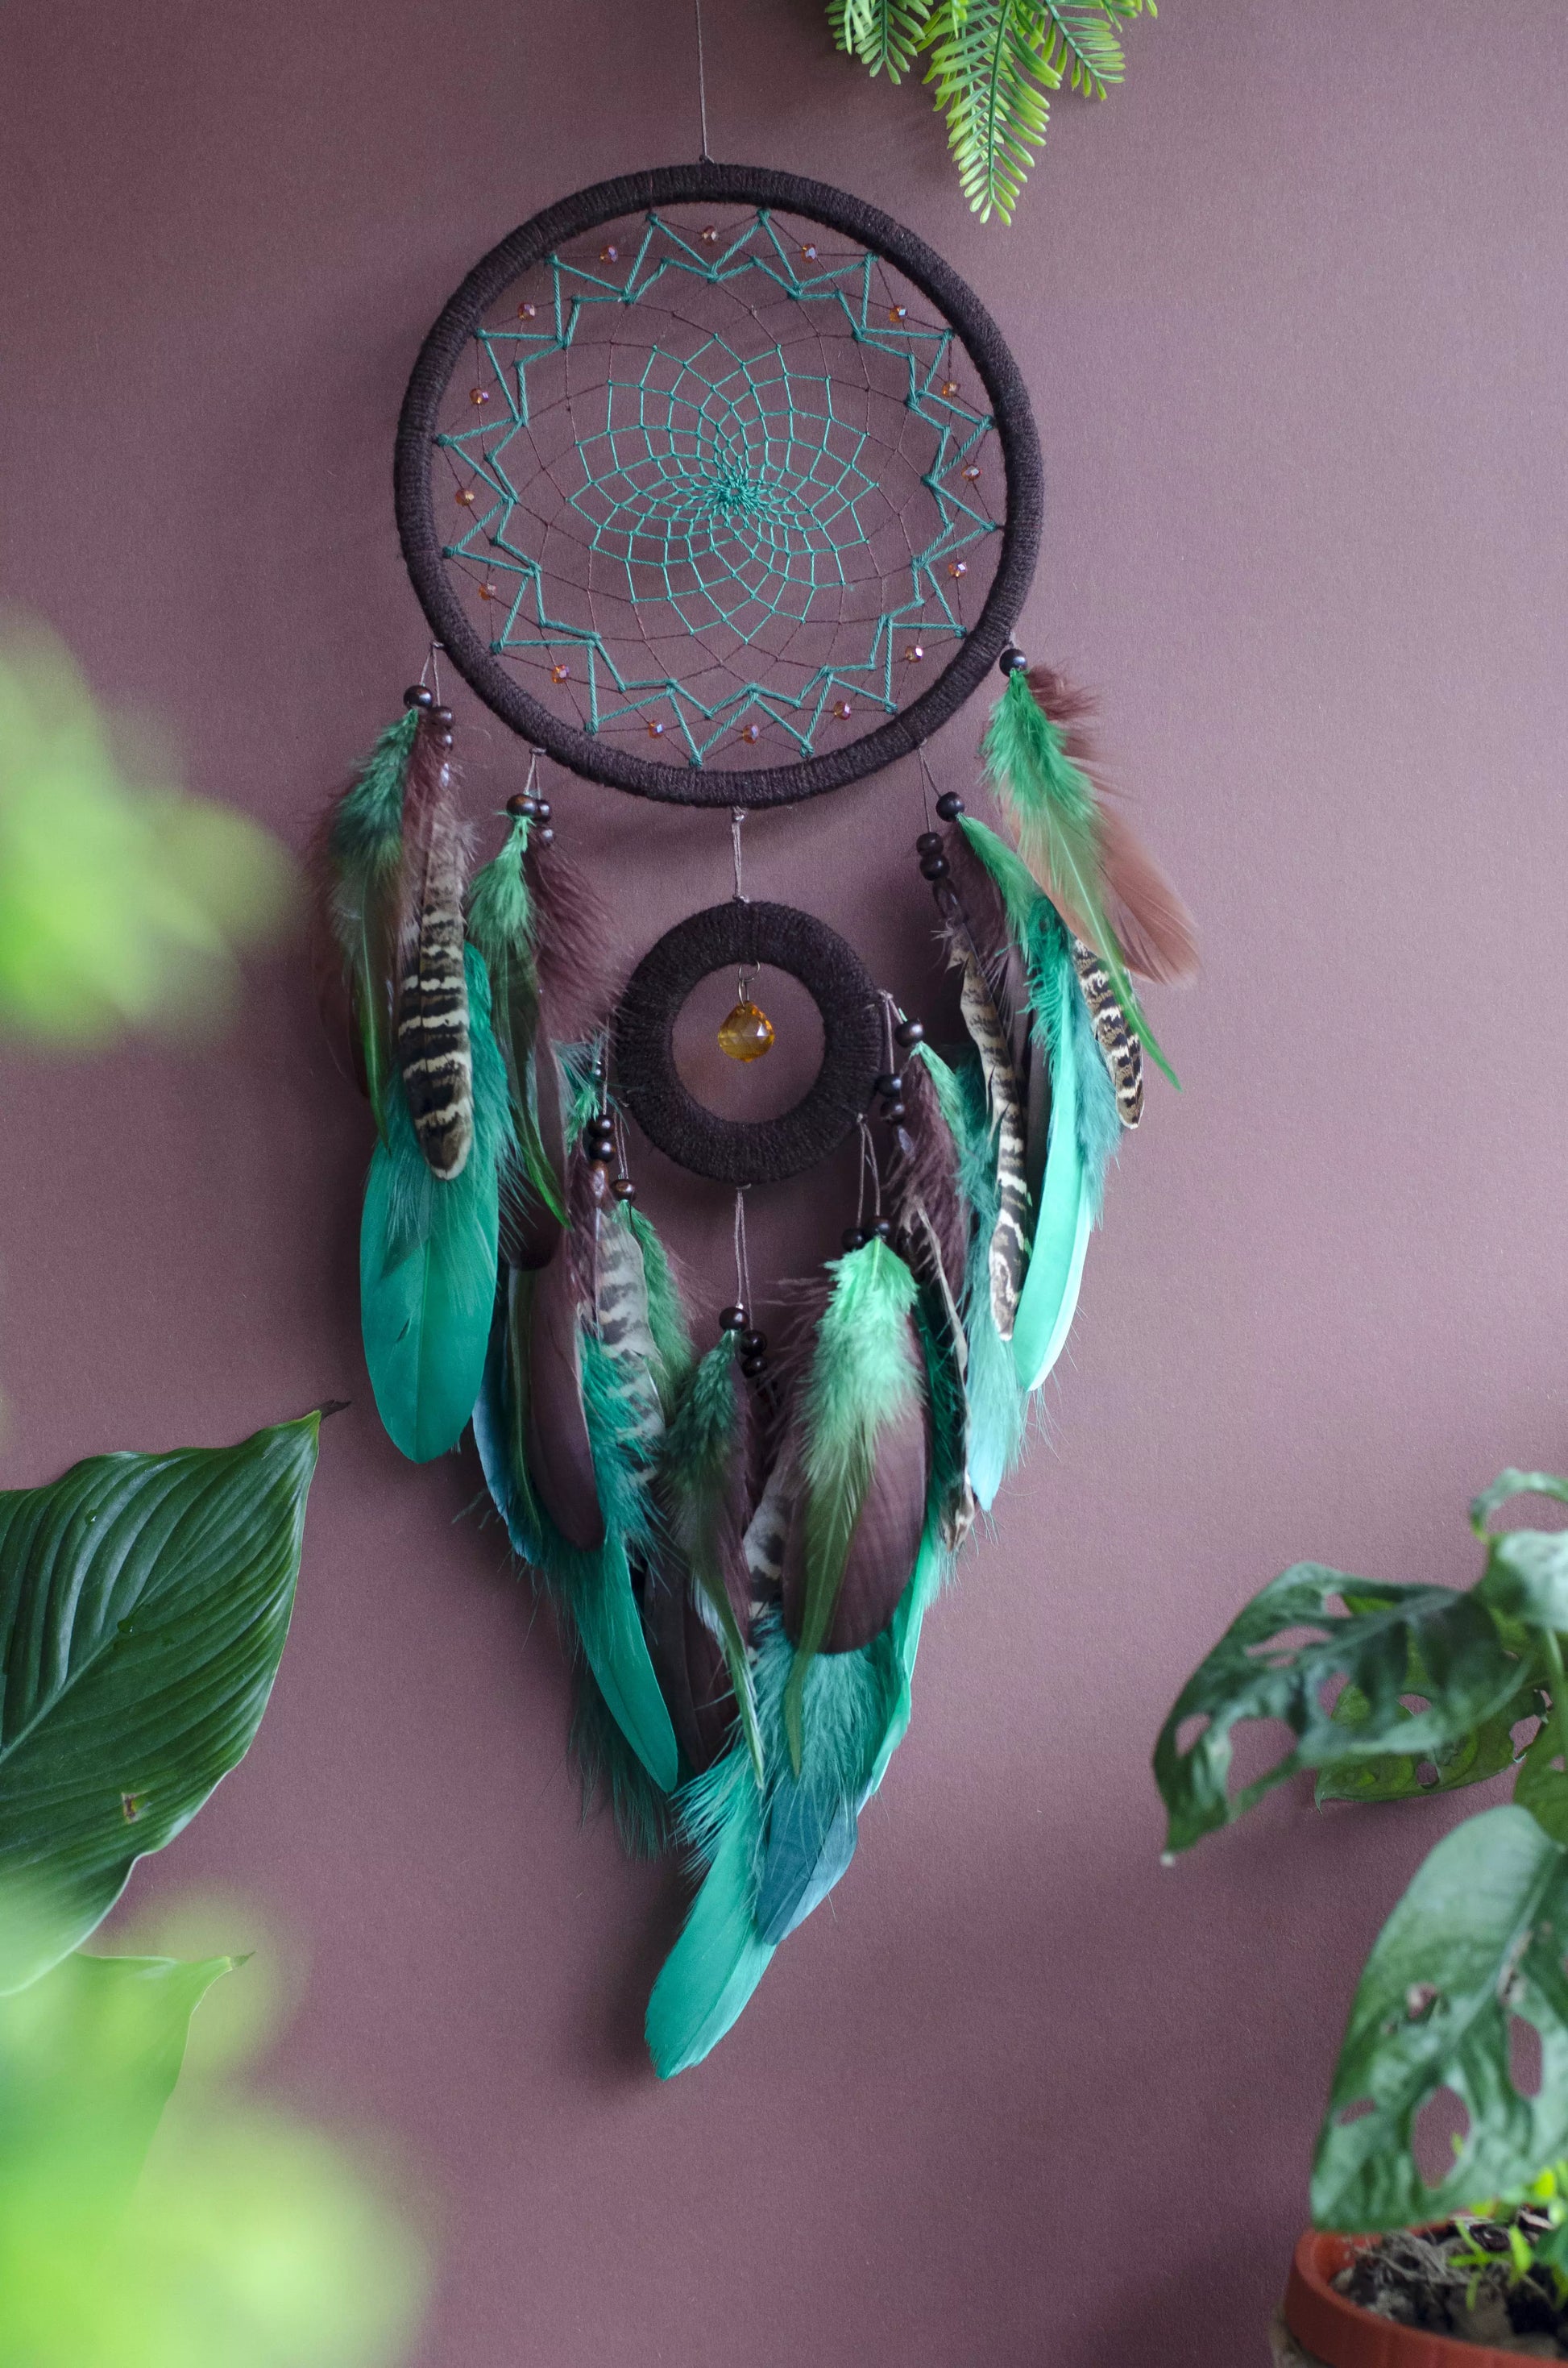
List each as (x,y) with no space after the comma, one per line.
(747,1033)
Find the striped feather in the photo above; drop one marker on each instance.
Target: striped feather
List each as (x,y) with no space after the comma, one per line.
(1007,1249)
(1123,1053)
(433,1044)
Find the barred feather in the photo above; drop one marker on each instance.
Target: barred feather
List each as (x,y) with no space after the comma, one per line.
(1123,1052)
(433,1047)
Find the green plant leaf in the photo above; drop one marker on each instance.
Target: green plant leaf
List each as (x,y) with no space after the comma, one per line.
(883,34)
(1514,1484)
(993,71)
(145,1601)
(1256,1671)
(1083,45)
(1541,1784)
(1485,1751)
(90,2055)
(1478,1938)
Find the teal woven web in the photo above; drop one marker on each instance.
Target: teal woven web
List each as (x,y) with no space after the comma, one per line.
(728,488)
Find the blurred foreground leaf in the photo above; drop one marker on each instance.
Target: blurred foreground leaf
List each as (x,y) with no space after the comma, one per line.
(145,1601)
(122,903)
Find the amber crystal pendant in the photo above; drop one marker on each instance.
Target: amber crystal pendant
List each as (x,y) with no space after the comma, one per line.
(747,1033)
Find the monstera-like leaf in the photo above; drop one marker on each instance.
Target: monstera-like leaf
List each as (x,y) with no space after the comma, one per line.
(1479,1936)
(145,1601)
(1313,1631)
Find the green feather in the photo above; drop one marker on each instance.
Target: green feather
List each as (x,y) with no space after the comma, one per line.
(1055,808)
(698,1478)
(606,1762)
(364,850)
(500,923)
(995,1400)
(427,1258)
(861,1378)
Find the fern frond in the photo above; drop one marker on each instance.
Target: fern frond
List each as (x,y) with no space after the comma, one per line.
(993,67)
(1081,41)
(883,34)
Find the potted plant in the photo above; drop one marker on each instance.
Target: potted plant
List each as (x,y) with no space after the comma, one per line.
(1392,1691)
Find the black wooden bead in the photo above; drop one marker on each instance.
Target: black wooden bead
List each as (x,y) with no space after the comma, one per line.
(544,836)
(418,696)
(890,1086)
(854,1239)
(624,1188)
(882,1230)
(754,1367)
(1011,659)
(442,718)
(928,843)
(524,807)
(933,867)
(949,805)
(895,1112)
(908,1034)
(733,1319)
(542,808)
(754,1343)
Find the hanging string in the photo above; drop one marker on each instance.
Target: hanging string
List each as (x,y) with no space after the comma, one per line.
(743,1259)
(701,85)
(737,817)
(432,666)
(926,784)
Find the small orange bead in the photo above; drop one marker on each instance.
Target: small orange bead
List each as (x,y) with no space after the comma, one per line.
(710,236)
(949,387)
(656,731)
(528,312)
(915,652)
(609,255)
(957,567)
(464,498)
(841,707)
(972,472)
(479,395)
(559,672)
(897,312)
(752,732)
(489,591)
(810,254)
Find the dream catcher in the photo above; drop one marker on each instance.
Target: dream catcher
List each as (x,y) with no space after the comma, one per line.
(718,486)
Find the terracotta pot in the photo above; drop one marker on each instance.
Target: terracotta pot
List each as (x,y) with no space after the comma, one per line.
(1343,2335)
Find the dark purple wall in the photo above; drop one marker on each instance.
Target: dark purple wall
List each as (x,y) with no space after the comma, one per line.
(1291,306)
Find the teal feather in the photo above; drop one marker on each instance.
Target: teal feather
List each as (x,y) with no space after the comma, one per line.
(500,923)
(1055,808)
(703,1482)
(428,1256)
(716,1964)
(607,1763)
(364,855)
(995,1400)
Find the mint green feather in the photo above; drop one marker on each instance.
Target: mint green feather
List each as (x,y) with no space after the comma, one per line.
(1085,1130)
(428,1256)
(1057,816)
(500,923)
(364,848)
(862,1379)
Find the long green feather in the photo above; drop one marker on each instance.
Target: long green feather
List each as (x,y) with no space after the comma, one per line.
(500,923)
(862,1379)
(697,1475)
(364,848)
(1057,818)
(427,1258)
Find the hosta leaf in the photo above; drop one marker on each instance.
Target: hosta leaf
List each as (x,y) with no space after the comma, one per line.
(1256,1671)
(1479,1937)
(90,2055)
(144,1604)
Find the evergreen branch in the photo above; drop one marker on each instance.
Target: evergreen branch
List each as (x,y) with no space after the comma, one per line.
(993,66)
(883,34)
(1081,41)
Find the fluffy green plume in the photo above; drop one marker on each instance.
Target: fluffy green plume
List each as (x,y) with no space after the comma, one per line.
(364,848)
(862,1378)
(702,1474)
(1057,816)
(500,923)
(428,1256)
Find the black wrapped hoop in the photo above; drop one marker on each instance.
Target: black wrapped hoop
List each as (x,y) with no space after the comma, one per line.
(741,934)
(772,785)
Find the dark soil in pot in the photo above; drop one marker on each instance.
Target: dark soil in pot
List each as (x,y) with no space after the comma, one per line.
(1413,2277)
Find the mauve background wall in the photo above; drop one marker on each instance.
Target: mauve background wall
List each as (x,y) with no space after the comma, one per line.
(1291,308)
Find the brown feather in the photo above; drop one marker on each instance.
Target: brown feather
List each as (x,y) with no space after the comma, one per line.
(923,1175)
(1153,929)
(694,1676)
(560,1456)
(572,940)
(530,1229)
(884,1544)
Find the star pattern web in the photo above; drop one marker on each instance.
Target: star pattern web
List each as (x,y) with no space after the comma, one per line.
(722,485)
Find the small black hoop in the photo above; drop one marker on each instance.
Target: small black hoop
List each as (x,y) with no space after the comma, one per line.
(904,733)
(737,935)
